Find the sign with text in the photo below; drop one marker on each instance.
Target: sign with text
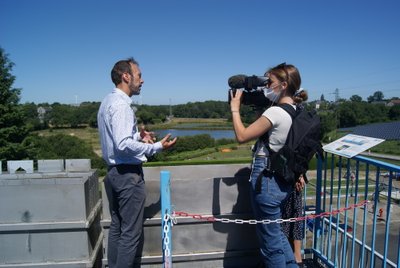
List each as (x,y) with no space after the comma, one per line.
(351,145)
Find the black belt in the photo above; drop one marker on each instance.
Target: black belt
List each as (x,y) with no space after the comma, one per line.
(122,168)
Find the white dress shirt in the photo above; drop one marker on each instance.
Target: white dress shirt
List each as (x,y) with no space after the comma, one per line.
(119,135)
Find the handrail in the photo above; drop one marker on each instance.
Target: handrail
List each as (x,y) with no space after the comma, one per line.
(338,246)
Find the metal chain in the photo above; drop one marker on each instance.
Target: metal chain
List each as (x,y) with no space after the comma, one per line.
(167,251)
(265,221)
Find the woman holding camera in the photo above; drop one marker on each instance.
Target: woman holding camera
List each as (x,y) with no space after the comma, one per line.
(268,192)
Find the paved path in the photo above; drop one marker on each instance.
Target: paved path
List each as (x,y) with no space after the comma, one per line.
(383,156)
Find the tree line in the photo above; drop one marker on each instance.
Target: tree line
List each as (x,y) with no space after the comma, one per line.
(19,121)
(346,113)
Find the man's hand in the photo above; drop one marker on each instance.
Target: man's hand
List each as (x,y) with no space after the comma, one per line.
(147,136)
(166,143)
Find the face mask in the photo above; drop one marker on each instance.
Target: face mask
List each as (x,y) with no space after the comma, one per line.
(271,94)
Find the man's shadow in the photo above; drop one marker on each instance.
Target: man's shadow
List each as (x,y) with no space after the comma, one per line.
(150,211)
(242,248)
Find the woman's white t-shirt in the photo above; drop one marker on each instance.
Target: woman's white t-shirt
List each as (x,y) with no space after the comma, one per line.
(281,122)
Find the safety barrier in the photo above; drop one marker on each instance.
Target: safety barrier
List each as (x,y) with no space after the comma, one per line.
(221,190)
(357,238)
(352,215)
(50,217)
(340,197)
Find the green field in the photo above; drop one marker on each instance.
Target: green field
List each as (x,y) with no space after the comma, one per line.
(194,123)
(88,134)
(228,153)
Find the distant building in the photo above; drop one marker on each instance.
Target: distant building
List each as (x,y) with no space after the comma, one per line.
(42,113)
(379,102)
(393,103)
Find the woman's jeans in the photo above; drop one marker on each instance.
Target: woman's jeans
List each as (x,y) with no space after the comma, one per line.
(267,204)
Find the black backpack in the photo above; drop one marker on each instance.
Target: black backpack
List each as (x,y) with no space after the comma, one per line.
(302,143)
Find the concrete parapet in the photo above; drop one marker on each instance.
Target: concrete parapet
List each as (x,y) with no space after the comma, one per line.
(48,166)
(219,190)
(77,165)
(53,165)
(25,165)
(50,219)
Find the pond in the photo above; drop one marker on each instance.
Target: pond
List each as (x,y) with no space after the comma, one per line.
(215,134)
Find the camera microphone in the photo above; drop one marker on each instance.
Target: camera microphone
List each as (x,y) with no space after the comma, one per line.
(237,81)
(251,96)
(247,82)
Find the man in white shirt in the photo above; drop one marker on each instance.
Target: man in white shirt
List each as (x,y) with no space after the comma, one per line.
(124,149)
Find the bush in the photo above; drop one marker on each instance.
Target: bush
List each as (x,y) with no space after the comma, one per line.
(62,146)
(224,141)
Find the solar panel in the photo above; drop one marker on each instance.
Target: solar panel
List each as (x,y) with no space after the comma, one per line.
(387,130)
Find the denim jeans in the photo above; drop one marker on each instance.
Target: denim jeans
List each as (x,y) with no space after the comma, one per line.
(267,204)
(126,195)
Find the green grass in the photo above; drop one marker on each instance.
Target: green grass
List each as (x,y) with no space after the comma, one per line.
(238,153)
(194,123)
(223,153)
(387,147)
(88,134)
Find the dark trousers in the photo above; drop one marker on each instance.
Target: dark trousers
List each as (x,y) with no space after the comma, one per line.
(126,194)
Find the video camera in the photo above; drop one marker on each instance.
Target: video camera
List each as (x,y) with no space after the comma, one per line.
(252,94)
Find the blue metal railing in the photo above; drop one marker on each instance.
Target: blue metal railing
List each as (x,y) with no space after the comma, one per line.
(356,237)
(348,235)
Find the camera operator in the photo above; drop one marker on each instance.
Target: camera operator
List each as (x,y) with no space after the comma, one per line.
(268,192)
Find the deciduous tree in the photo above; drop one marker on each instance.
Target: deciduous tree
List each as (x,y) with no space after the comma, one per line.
(377,96)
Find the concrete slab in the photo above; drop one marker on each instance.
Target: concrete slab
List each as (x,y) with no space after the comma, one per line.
(54,165)
(14,165)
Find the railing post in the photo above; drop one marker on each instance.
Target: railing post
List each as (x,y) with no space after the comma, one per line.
(165,184)
(318,204)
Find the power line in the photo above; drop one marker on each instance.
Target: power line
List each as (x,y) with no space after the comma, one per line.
(336,93)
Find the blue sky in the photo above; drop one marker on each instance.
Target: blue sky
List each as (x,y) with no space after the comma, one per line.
(64,50)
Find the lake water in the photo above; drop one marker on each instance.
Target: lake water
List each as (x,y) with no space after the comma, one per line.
(215,134)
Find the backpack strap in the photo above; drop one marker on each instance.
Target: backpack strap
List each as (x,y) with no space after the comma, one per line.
(265,137)
(291,111)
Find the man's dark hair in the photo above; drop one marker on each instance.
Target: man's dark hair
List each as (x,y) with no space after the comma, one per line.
(121,67)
